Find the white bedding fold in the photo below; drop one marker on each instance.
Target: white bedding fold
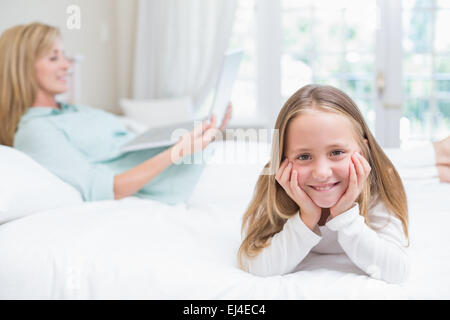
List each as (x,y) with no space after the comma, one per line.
(141,249)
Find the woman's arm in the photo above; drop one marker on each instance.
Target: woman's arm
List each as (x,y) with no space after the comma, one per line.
(131,181)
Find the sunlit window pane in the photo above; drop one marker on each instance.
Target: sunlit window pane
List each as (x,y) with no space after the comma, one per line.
(411,4)
(418,113)
(417,64)
(442,118)
(443,3)
(328,65)
(426,70)
(330,42)
(243,36)
(418,88)
(442,39)
(418,30)
(442,63)
(328,31)
(360,63)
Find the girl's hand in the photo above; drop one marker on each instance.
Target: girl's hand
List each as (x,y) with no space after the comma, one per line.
(195,140)
(309,212)
(359,171)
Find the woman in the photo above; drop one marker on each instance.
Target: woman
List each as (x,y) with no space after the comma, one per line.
(81,144)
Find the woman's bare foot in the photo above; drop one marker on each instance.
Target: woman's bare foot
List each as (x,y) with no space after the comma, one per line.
(442,150)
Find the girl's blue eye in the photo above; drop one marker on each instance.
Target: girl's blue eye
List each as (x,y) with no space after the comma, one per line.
(53,58)
(303,157)
(337,153)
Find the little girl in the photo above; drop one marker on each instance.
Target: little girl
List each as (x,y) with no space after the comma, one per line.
(332,190)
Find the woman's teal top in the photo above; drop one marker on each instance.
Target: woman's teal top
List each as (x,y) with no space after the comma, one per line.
(81,146)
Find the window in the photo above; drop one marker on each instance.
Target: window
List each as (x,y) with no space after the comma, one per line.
(426,70)
(243,36)
(350,44)
(330,42)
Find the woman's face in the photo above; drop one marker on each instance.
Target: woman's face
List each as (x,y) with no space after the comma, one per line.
(51,70)
(320,145)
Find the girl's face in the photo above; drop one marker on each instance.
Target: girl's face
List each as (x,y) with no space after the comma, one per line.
(320,145)
(51,71)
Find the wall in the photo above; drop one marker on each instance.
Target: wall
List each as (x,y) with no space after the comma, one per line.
(105,39)
(126,30)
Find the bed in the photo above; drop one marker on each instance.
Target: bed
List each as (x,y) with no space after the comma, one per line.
(141,249)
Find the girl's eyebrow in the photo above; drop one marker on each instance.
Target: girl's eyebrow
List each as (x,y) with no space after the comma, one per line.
(337,145)
(331,146)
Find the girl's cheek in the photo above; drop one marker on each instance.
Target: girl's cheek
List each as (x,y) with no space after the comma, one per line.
(302,173)
(342,169)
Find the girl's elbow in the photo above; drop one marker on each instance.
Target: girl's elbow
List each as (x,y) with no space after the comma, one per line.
(397,275)
(401,274)
(257,269)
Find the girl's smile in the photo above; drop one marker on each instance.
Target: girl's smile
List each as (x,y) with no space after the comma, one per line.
(324,187)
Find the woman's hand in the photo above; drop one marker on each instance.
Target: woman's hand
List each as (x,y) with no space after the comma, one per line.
(227,117)
(309,212)
(359,170)
(195,140)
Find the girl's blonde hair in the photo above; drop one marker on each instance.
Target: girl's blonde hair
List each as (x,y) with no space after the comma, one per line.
(270,207)
(20,47)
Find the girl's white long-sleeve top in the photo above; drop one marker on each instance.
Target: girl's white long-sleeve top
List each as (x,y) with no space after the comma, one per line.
(379,250)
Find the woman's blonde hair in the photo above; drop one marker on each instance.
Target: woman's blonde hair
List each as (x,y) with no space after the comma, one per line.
(270,207)
(20,47)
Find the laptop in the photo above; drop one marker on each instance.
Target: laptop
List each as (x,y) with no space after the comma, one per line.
(164,135)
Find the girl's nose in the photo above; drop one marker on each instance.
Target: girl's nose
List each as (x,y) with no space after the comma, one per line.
(322,171)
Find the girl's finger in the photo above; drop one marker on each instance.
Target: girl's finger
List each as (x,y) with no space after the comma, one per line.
(365,164)
(354,159)
(362,172)
(293,182)
(294,185)
(299,195)
(281,168)
(286,173)
(358,166)
(353,182)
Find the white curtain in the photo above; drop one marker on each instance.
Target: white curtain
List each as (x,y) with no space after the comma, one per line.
(180,46)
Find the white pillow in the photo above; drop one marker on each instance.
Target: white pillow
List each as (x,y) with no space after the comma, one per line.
(158,112)
(26,187)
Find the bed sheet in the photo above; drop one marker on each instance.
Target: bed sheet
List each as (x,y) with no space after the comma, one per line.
(141,249)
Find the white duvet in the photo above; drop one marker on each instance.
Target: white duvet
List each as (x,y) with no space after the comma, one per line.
(142,249)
